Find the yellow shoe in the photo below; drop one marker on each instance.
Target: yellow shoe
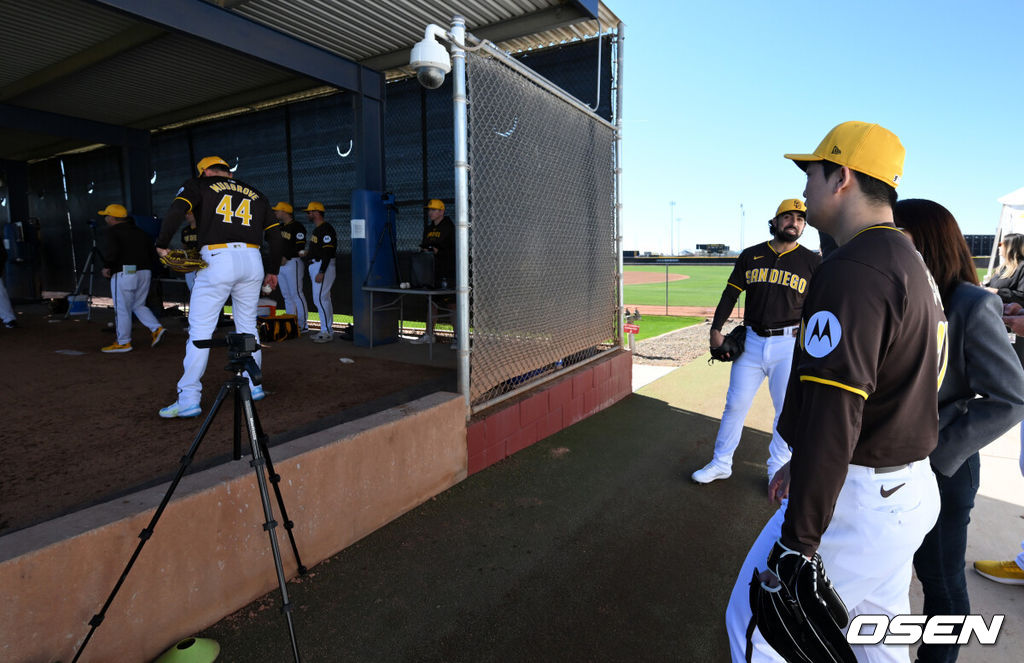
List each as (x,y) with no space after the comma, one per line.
(1007,573)
(157,335)
(117,347)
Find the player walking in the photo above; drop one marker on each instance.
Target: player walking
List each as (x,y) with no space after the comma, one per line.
(232,217)
(323,247)
(775,275)
(292,273)
(128,263)
(861,410)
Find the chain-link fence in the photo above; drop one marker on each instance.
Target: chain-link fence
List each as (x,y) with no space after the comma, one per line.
(542,246)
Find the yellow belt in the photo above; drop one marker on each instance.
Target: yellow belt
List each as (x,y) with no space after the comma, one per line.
(224,246)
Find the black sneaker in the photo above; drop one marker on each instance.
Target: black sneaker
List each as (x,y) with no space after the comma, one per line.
(11,325)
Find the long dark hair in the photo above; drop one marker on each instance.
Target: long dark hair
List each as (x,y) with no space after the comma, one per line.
(939,240)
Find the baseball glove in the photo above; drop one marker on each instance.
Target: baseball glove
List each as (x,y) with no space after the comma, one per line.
(732,347)
(182,261)
(798,611)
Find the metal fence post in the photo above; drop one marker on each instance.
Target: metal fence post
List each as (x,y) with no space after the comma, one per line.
(461,207)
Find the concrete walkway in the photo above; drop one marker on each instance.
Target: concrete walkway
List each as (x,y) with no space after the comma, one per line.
(591,545)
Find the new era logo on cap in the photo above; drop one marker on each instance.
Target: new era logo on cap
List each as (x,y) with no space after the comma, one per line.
(867,148)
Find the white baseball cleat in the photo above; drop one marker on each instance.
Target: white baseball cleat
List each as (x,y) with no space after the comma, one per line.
(711,472)
(323,338)
(174,410)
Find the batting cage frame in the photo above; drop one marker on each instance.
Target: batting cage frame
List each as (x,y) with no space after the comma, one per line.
(538,241)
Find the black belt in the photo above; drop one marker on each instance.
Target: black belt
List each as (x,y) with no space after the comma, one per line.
(780,331)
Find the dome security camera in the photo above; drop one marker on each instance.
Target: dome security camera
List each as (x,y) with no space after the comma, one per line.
(430,77)
(430,59)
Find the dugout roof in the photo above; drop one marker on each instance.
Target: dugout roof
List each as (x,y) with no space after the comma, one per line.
(76,73)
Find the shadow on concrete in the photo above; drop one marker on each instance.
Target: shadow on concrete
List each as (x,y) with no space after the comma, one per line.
(591,545)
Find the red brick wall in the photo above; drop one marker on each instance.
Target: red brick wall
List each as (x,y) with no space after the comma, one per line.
(507,428)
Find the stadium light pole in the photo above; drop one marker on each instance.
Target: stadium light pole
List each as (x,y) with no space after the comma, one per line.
(671,215)
(743,223)
(679,249)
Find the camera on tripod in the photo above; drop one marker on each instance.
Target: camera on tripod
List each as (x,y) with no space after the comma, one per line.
(240,348)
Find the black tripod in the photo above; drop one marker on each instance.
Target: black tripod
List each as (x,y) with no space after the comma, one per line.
(240,349)
(89,268)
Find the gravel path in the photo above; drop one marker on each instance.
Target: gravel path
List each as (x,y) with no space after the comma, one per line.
(677,348)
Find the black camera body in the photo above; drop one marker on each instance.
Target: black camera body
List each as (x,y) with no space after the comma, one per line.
(240,348)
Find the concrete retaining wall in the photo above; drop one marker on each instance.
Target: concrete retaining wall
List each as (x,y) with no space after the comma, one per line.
(209,554)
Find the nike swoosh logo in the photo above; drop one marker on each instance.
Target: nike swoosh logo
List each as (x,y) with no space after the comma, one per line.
(758,257)
(887,493)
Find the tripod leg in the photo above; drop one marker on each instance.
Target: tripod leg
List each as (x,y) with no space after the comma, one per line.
(275,481)
(144,536)
(270,525)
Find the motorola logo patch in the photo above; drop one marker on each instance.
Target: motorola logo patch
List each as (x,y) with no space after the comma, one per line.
(822,334)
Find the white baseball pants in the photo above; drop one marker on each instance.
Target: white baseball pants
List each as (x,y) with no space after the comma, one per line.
(763,357)
(6,310)
(289,279)
(236,271)
(322,294)
(868,551)
(129,292)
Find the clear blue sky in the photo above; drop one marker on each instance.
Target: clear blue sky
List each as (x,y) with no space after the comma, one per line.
(716,92)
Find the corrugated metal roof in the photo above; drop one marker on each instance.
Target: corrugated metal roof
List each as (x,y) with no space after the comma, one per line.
(80,59)
(71,26)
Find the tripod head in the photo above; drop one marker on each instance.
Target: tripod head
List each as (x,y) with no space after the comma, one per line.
(240,348)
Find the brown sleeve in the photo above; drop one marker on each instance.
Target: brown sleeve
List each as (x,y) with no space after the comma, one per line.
(733,287)
(826,423)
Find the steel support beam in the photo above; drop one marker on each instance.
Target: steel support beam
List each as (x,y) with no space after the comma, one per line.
(55,124)
(237,33)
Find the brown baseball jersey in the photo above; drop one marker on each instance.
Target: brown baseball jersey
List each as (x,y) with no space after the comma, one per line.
(190,238)
(294,235)
(863,388)
(226,211)
(323,245)
(776,285)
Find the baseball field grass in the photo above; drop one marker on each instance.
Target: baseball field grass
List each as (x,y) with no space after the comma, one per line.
(656,325)
(702,288)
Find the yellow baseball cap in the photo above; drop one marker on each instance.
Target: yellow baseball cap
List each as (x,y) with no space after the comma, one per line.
(206,162)
(314,207)
(435,204)
(791,205)
(114,210)
(282,207)
(867,148)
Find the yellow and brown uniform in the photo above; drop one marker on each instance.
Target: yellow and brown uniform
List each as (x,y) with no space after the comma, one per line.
(776,285)
(863,389)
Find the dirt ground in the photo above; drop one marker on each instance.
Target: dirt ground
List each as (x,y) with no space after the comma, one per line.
(80,426)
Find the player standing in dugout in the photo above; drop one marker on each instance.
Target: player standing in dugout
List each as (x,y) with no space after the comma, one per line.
(775,275)
(232,218)
(291,277)
(861,409)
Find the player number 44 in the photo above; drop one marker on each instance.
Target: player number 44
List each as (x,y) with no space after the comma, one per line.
(227,214)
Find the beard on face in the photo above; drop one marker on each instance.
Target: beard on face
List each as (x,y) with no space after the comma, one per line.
(789,234)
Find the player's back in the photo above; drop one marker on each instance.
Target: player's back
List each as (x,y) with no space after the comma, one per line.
(227,210)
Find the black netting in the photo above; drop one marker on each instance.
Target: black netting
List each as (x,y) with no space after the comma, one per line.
(573,68)
(298,153)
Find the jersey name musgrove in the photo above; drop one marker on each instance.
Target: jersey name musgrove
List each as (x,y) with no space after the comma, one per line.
(233,186)
(776,276)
